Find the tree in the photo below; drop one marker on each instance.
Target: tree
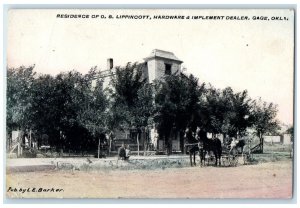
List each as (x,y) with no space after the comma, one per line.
(212,111)
(93,105)
(264,119)
(236,115)
(176,100)
(45,112)
(68,109)
(225,112)
(19,97)
(126,83)
(144,112)
(290,131)
(131,99)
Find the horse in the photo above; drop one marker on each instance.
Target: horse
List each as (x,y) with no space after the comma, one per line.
(241,145)
(192,145)
(192,151)
(209,145)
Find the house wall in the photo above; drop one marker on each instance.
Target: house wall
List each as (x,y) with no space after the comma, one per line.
(151,64)
(156,68)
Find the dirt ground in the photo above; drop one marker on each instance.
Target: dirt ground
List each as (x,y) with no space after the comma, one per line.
(263,180)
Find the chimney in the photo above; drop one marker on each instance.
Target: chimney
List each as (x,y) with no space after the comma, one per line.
(110,63)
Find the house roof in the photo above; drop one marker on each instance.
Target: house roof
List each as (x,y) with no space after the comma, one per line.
(162,54)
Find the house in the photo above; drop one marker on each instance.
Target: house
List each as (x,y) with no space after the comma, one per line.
(156,66)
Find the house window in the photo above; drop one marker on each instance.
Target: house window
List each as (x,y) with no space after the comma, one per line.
(167,69)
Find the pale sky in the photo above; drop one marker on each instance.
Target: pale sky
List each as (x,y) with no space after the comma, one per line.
(256,55)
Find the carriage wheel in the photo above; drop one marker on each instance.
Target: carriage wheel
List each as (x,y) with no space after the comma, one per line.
(230,160)
(236,161)
(225,161)
(233,160)
(245,158)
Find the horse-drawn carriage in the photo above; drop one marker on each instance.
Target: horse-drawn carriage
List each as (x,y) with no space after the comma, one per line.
(235,152)
(212,151)
(230,157)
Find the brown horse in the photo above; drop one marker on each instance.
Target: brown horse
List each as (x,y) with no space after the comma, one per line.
(192,152)
(192,145)
(210,145)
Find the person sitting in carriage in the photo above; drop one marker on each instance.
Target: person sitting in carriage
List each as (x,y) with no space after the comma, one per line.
(233,145)
(127,152)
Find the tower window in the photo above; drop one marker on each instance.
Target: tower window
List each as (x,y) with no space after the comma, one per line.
(168,69)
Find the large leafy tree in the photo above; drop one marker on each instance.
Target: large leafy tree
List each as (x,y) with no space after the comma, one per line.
(212,112)
(92,106)
(126,84)
(176,101)
(226,112)
(237,112)
(82,109)
(19,97)
(45,110)
(132,99)
(264,119)
(55,106)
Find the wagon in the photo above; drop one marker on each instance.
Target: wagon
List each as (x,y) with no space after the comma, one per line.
(231,159)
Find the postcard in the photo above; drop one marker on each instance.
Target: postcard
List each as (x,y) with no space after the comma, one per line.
(150,103)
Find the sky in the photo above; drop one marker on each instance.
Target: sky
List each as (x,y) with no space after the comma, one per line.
(256,55)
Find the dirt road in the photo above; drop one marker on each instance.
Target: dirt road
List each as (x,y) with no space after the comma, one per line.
(266,180)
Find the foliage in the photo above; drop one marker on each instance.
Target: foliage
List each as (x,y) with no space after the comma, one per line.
(64,107)
(132,97)
(264,118)
(126,83)
(237,115)
(74,111)
(290,131)
(226,112)
(19,85)
(177,98)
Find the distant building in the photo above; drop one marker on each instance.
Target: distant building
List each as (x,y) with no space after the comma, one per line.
(282,139)
(272,139)
(287,139)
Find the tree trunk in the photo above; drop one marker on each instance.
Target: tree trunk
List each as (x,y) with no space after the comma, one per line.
(181,141)
(30,140)
(169,144)
(261,140)
(138,143)
(109,148)
(262,145)
(19,150)
(99,149)
(144,141)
